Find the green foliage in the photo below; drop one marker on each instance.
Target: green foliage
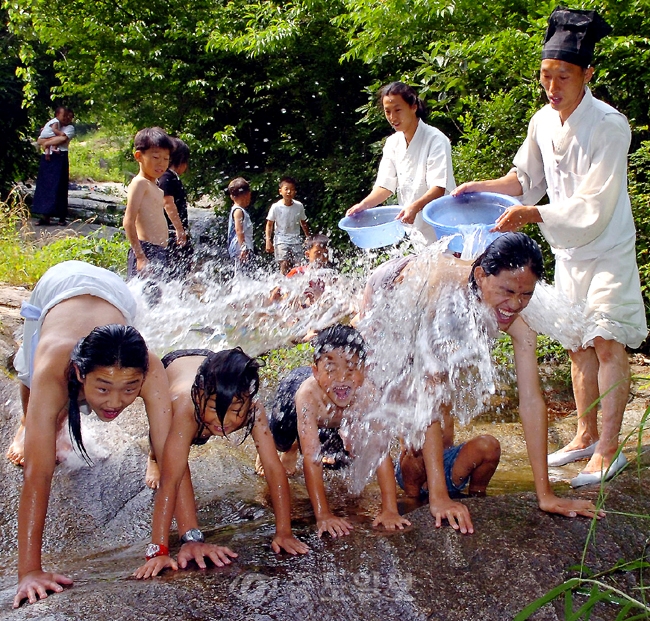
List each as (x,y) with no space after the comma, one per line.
(279,362)
(23,262)
(18,124)
(639,185)
(104,154)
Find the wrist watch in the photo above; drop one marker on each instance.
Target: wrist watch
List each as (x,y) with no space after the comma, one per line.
(194,535)
(154,550)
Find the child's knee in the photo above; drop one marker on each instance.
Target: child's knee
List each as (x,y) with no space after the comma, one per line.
(489,448)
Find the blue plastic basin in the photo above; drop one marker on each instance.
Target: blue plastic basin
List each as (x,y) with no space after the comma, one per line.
(374,228)
(470,215)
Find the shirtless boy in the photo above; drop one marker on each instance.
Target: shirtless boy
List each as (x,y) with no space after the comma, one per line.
(145,225)
(325,396)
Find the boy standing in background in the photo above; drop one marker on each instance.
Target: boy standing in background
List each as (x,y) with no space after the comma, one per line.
(145,225)
(175,202)
(288,215)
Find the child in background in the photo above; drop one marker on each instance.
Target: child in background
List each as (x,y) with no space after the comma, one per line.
(325,394)
(316,253)
(212,394)
(53,128)
(288,217)
(175,201)
(240,225)
(145,225)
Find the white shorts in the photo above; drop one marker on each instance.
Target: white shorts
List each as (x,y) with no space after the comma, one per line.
(288,252)
(62,282)
(609,287)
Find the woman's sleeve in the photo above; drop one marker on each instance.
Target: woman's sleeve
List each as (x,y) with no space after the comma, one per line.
(387,173)
(440,172)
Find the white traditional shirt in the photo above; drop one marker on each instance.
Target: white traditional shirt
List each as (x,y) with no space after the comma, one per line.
(582,166)
(412,170)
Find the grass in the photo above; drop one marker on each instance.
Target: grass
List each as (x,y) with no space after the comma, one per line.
(102,155)
(23,262)
(585,594)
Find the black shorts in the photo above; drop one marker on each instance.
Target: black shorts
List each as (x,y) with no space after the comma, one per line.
(283,422)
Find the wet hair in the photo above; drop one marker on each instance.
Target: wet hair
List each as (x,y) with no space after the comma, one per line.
(225,375)
(151,138)
(181,153)
(509,251)
(406,92)
(105,346)
(316,240)
(288,179)
(238,186)
(338,337)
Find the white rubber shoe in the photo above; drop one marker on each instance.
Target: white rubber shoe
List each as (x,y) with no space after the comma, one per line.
(562,457)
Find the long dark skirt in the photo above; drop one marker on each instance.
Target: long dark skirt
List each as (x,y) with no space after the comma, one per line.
(51,195)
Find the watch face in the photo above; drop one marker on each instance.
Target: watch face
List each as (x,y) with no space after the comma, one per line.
(194,535)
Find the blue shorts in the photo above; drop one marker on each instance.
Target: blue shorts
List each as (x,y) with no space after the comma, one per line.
(448,460)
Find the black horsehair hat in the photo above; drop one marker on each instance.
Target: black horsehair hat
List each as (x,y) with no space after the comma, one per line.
(572,35)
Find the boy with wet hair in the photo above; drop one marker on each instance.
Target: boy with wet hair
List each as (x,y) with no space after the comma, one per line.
(144,219)
(287,216)
(325,395)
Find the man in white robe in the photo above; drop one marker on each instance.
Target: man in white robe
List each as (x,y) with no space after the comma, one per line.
(576,153)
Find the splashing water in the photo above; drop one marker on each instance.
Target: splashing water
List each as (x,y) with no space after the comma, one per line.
(429,347)
(476,238)
(257,315)
(551,312)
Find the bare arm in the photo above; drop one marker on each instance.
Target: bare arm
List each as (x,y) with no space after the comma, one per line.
(134,200)
(48,398)
(173,469)
(172,211)
(326,521)
(408,213)
(508,184)
(55,141)
(269,236)
(532,410)
(440,505)
(278,486)
(305,227)
(376,197)
(389,516)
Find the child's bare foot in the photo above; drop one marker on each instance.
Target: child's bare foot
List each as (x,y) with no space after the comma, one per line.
(259,468)
(289,460)
(152,476)
(16,452)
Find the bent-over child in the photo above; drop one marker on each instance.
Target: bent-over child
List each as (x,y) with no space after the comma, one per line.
(287,216)
(310,407)
(212,394)
(145,225)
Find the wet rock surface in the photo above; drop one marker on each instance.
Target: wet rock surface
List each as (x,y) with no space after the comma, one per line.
(99,523)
